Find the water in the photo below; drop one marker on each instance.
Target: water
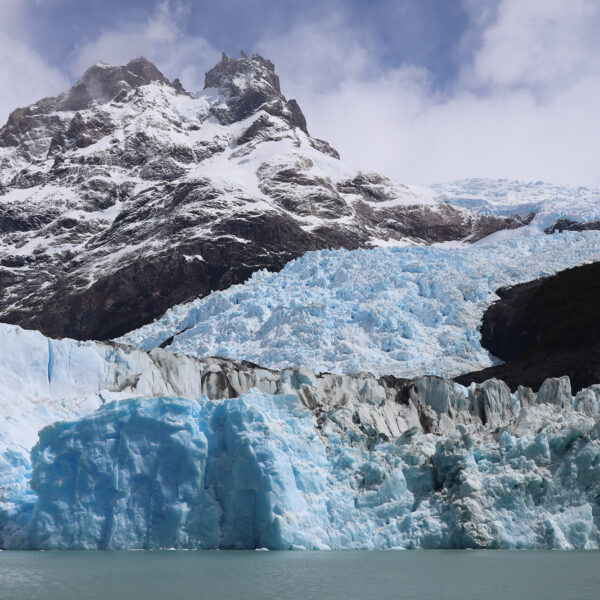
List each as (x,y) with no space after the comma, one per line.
(422,575)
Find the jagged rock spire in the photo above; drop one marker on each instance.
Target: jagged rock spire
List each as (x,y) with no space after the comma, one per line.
(104,82)
(255,72)
(250,84)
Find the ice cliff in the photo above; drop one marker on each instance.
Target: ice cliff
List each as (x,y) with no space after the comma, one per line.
(160,450)
(261,471)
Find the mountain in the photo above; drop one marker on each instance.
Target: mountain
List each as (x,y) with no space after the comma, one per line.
(127,198)
(126,195)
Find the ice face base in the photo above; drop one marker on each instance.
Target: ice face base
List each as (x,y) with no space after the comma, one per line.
(263,471)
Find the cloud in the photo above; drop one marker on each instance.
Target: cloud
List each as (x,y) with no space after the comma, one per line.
(524,104)
(24,75)
(539,46)
(394,124)
(319,56)
(161,39)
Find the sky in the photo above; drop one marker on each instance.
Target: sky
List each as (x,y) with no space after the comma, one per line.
(421,90)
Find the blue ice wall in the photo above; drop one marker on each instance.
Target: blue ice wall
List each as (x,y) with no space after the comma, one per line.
(169,472)
(263,471)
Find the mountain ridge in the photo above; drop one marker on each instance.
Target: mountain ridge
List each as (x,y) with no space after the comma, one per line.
(544,328)
(112,213)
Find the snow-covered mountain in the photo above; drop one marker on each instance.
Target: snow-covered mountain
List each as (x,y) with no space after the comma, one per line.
(126,195)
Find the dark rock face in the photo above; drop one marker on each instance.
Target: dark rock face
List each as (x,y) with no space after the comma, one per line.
(126,195)
(545,328)
(568,225)
(487,224)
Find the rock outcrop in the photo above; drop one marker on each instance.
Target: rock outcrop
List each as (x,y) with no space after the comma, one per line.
(545,328)
(568,225)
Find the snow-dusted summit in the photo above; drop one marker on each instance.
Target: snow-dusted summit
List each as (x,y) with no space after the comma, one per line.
(126,195)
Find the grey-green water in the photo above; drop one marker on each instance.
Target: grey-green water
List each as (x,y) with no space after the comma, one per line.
(443,575)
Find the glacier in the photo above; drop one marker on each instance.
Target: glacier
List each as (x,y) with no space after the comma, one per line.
(43,381)
(259,471)
(108,446)
(339,440)
(502,197)
(404,310)
(169,472)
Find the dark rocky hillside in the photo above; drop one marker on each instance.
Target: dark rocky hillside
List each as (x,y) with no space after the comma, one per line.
(545,328)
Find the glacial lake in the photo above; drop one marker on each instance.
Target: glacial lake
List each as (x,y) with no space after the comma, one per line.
(349,575)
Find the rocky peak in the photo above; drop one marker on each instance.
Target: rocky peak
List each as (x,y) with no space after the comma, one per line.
(103,82)
(249,85)
(232,76)
(100,83)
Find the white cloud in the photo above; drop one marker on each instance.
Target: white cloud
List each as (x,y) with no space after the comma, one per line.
(318,56)
(540,45)
(525,106)
(160,39)
(24,75)
(395,126)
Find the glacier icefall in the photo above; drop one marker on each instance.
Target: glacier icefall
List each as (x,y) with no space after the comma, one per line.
(404,311)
